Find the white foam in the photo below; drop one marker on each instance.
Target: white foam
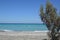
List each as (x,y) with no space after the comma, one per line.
(7,30)
(21,31)
(40,31)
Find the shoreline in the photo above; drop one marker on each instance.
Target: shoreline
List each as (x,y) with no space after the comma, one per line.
(24,35)
(19,33)
(22,31)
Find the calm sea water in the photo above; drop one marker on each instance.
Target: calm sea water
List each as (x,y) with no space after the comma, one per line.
(23,26)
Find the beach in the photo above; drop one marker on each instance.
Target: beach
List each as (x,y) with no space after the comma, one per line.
(26,35)
(23,31)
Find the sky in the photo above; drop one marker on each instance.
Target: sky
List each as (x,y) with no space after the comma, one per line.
(23,11)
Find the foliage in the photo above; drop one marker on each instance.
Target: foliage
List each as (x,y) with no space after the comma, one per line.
(51,19)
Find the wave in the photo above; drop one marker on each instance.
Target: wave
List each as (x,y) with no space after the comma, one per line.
(6,30)
(40,31)
(20,31)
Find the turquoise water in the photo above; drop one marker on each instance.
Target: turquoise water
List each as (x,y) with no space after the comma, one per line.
(23,26)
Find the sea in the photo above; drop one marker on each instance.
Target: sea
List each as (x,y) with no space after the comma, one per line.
(22,27)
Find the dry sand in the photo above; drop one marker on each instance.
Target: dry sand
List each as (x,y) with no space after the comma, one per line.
(23,35)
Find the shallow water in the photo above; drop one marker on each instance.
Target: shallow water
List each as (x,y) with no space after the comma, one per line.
(23,26)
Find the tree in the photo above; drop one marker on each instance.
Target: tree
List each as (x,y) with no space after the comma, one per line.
(51,19)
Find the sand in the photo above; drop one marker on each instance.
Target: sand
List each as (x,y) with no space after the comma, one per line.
(23,35)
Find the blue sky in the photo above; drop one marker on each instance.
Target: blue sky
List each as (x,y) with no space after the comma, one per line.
(23,11)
